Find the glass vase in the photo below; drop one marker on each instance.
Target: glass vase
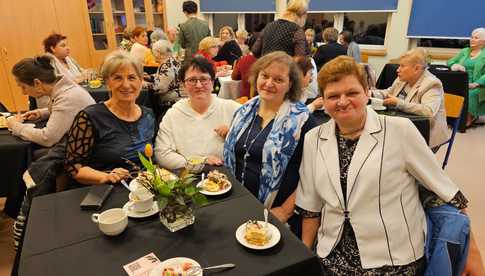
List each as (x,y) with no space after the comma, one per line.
(176,217)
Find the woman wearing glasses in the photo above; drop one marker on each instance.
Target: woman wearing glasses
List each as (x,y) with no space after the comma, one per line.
(263,147)
(105,135)
(196,126)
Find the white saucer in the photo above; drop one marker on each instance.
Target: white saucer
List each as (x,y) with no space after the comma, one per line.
(132,214)
(220,192)
(379,108)
(157,271)
(275,237)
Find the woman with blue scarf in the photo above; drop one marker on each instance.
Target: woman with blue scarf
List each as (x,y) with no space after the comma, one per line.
(264,145)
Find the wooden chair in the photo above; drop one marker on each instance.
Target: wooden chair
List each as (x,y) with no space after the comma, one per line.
(453,107)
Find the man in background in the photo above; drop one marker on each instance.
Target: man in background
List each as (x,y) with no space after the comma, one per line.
(193,30)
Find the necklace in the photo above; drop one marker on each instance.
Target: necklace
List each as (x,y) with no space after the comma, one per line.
(352,134)
(247,147)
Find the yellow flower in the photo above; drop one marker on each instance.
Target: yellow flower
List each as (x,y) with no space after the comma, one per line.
(148,150)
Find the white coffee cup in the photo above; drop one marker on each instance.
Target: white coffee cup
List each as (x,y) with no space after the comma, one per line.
(111,222)
(377,103)
(141,200)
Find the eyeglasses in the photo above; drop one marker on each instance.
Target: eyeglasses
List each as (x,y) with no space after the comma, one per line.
(193,81)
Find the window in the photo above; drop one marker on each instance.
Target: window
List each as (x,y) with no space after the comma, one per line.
(255,22)
(368,27)
(223,19)
(443,43)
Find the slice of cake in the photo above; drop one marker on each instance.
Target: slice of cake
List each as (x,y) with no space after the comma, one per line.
(256,233)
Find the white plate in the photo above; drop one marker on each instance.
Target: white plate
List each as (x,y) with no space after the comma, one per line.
(157,271)
(132,214)
(220,192)
(379,108)
(275,237)
(6,114)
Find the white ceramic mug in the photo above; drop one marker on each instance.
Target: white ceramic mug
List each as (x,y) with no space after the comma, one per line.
(141,200)
(111,222)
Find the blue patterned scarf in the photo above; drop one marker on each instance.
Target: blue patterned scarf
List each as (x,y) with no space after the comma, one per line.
(278,148)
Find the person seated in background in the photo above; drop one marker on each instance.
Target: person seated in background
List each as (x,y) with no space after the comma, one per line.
(172,38)
(208,48)
(166,82)
(310,41)
(472,61)
(330,50)
(127,41)
(242,69)
(55,46)
(419,92)
(242,38)
(139,49)
(156,35)
(196,126)
(104,135)
(263,147)
(230,50)
(308,83)
(358,187)
(347,40)
(36,77)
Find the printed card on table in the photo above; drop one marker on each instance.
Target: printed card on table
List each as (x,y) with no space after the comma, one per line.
(142,266)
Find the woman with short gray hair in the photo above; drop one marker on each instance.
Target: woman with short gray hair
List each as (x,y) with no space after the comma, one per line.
(472,61)
(166,82)
(105,135)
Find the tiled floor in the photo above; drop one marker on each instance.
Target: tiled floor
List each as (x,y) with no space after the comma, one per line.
(466,167)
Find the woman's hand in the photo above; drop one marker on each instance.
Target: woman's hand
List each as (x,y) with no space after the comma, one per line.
(222,131)
(31,115)
(116,175)
(213,161)
(317,103)
(473,265)
(13,120)
(473,85)
(458,67)
(281,214)
(390,101)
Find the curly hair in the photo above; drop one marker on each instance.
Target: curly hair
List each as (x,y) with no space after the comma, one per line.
(51,41)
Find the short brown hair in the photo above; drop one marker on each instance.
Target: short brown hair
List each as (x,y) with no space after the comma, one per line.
(330,34)
(304,63)
(294,94)
(51,41)
(339,68)
(137,31)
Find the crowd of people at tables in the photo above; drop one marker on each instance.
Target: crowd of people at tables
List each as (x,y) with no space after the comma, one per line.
(351,186)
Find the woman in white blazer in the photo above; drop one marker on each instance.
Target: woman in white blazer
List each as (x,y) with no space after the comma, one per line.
(417,91)
(358,182)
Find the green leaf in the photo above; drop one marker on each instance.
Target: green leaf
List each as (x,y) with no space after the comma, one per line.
(162,202)
(190,190)
(164,190)
(146,163)
(180,200)
(172,184)
(199,199)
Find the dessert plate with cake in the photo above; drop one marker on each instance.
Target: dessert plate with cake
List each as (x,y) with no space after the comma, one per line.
(258,235)
(216,183)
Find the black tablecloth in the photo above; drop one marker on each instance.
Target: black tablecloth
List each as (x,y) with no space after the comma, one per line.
(61,239)
(455,83)
(15,157)
(421,123)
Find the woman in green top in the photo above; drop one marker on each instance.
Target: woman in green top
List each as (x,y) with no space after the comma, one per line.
(472,61)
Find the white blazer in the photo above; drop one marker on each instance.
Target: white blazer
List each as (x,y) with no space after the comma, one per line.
(426,98)
(382,196)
